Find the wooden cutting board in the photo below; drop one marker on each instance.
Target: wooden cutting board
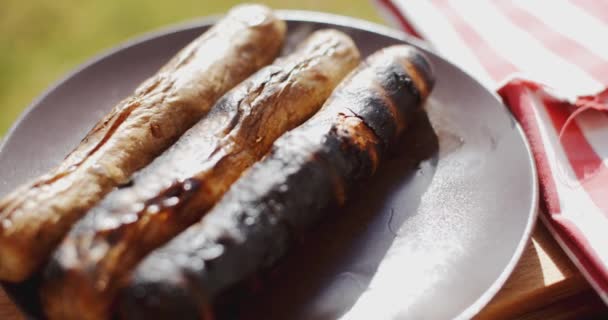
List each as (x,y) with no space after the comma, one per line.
(545,285)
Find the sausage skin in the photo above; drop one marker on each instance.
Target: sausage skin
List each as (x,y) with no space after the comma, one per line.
(177,188)
(35,217)
(308,169)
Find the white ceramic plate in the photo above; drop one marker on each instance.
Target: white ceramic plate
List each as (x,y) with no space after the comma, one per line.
(431,241)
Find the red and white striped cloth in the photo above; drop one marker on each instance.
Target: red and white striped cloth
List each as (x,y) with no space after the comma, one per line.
(539,56)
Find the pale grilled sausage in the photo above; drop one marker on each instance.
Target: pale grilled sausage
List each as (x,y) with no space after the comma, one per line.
(185,181)
(35,217)
(307,169)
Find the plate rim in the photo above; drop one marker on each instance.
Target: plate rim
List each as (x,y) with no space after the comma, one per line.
(343,21)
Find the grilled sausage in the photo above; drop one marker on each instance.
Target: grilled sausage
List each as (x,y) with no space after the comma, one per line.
(307,169)
(184,182)
(35,217)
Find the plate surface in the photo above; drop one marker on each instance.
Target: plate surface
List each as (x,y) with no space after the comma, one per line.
(434,235)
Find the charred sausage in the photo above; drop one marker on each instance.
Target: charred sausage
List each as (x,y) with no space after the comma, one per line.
(35,217)
(307,169)
(184,182)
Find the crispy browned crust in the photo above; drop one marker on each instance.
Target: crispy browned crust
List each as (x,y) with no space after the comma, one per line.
(35,217)
(307,169)
(178,187)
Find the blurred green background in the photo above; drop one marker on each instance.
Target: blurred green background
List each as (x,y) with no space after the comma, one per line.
(41,40)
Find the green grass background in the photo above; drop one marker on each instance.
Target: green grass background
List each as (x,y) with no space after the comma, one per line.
(41,40)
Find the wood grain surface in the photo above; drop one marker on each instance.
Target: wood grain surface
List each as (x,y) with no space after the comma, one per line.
(545,285)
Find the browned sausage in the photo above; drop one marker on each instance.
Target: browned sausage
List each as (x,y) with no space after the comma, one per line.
(308,168)
(184,182)
(35,217)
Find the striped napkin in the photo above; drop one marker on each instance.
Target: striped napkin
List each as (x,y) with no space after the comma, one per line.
(548,60)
